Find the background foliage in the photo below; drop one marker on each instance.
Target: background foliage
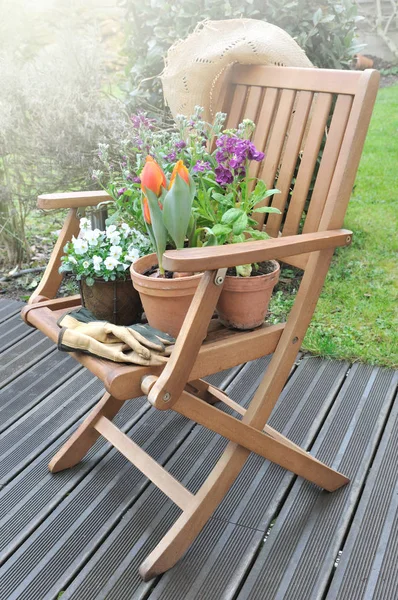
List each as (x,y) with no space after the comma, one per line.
(325,31)
(54,109)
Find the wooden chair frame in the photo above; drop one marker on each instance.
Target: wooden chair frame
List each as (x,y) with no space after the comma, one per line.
(179,385)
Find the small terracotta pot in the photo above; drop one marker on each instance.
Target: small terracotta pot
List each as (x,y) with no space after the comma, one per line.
(363,62)
(113,301)
(244,301)
(165,301)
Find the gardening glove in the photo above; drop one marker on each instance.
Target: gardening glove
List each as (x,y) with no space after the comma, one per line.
(137,344)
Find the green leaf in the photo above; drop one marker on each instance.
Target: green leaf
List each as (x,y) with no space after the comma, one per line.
(219,229)
(267,209)
(177,210)
(317,17)
(244,270)
(232,215)
(240,224)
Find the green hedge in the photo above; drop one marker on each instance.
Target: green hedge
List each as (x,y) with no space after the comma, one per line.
(326,32)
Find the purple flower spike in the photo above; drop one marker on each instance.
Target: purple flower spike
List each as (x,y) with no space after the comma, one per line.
(137,180)
(223,175)
(171,157)
(121,191)
(180,145)
(202,166)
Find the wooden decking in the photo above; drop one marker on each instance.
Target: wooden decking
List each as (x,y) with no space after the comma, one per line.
(85,531)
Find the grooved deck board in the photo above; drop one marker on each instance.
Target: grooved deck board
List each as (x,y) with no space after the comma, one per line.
(85,531)
(9,308)
(298,557)
(367,565)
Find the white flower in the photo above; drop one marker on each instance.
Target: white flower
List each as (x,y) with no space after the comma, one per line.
(111,263)
(132,254)
(92,236)
(85,224)
(97,260)
(114,238)
(72,260)
(80,246)
(115,251)
(111,229)
(86,264)
(126,229)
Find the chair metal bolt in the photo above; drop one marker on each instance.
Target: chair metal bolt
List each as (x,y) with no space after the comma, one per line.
(348,239)
(220,276)
(295,340)
(166,397)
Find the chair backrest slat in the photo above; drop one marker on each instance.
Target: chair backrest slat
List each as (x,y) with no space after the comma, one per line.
(315,134)
(237,107)
(276,140)
(330,155)
(311,124)
(266,117)
(291,151)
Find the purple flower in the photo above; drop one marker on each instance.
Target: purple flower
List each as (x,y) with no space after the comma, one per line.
(201,166)
(223,175)
(141,120)
(121,191)
(137,180)
(172,156)
(180,145)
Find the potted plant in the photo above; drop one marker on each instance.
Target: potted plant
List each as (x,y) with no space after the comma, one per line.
(201,194)
(227,200)
(100,261)
(167,210)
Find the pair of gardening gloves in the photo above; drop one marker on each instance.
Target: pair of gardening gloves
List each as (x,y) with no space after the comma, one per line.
(135,344)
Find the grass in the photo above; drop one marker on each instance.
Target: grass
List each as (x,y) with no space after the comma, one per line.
(357,314)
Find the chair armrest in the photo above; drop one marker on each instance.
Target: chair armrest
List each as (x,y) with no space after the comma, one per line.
(219,257)
(72,200)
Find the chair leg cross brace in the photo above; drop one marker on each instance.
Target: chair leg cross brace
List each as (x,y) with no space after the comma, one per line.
(260,442)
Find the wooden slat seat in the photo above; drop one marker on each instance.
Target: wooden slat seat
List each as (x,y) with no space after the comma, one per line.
(222,349)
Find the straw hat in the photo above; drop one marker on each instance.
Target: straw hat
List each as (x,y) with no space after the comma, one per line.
(197,66)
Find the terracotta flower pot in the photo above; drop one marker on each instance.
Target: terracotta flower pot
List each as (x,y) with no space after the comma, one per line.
(363,62)
(113,301)
(244,301)
(165,301)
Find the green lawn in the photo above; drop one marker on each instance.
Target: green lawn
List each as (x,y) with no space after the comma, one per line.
(357,314)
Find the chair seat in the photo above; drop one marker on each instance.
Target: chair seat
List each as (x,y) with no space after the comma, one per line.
(222,349)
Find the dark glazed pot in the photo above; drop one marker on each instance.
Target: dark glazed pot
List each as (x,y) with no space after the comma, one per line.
(113,301)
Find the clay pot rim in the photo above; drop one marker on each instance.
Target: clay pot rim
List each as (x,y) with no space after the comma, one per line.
(263,275)
(147,281)
(247,285)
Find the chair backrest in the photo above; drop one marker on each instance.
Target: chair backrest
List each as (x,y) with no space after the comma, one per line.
(311,124)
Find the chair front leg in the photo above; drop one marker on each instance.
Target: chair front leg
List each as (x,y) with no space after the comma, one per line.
(85,436)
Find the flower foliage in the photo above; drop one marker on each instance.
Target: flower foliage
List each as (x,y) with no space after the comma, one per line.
(195,185)
(105,254)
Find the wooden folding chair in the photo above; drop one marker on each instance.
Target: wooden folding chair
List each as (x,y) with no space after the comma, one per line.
(297,111)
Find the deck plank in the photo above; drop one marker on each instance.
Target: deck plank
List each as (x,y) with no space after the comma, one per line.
(367,565)
(85,531)
(298,557)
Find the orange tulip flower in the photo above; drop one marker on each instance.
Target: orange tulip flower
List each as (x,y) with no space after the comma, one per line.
(147,214)
(152,177)
(182,171)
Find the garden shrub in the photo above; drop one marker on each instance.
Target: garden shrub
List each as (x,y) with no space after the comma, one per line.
(326,32)
(54,110)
